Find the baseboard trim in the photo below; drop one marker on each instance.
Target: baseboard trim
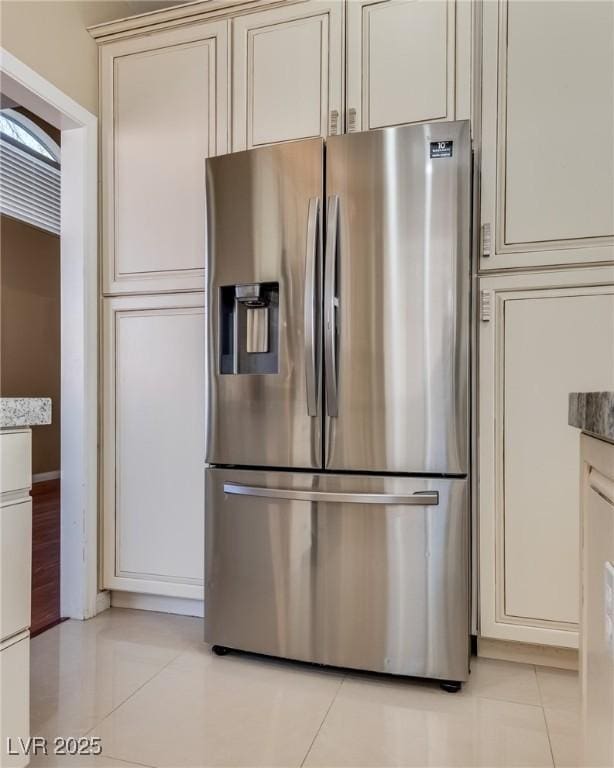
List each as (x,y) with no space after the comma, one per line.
(43,477)
(528,653)
(103,601)
(182,606)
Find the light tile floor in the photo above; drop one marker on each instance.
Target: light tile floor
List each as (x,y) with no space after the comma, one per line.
(156,695)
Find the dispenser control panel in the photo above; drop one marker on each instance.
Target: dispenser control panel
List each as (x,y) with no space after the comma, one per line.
(249,328)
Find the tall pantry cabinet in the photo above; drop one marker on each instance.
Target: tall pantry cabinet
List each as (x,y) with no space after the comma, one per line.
(165,108)
(178,86)
(546,301)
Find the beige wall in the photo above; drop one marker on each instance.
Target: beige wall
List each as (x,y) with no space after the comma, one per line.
(30,327)
(51,38)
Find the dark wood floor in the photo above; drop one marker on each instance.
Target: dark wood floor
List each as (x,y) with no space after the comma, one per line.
(45,555)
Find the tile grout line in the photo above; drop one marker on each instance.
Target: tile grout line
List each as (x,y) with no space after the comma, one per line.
(128,762)
(539,688)
(541,701)
(317,733)
(549,737)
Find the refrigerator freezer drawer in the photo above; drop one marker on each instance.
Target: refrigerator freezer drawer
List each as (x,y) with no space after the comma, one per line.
(352,571)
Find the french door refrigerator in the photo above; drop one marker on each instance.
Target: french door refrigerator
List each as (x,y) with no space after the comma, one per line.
(337,516)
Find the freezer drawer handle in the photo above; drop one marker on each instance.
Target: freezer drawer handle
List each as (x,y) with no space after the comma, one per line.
(420,498)
(311,271)
(330,306)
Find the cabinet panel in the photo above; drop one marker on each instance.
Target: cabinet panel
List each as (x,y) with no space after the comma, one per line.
(548,132)
(559,121)
(164,103)
(15,460)
(552,346)
(548,334)
(154,444)
(287,74)
(401,62)
(14,702)
(596,657)
(15,566)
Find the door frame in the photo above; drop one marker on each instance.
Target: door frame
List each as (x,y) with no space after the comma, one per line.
(79,330)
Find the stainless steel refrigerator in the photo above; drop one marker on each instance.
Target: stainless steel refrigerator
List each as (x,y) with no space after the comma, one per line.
(338,290)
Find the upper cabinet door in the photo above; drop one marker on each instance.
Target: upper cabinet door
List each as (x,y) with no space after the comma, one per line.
(287,74)
(402,64)
(164,110)
(548,133)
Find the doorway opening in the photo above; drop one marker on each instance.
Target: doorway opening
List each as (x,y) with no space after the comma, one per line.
(30,321)
(74,131)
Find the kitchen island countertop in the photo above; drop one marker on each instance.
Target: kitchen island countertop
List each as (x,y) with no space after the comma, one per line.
(593,412)
(24,411)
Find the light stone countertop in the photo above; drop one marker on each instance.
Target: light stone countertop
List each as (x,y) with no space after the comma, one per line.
(593,412)
(24,411)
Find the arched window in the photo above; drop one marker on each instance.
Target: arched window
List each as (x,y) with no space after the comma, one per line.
(29,172)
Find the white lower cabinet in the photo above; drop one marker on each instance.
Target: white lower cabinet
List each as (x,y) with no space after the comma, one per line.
(154,452)
(15,460)
(15,566)
(541,336)
(14,701)
(15,593)
(597,652)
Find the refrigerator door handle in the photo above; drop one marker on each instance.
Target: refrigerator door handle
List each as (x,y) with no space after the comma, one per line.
(419,498)
(311,267)
(330,305)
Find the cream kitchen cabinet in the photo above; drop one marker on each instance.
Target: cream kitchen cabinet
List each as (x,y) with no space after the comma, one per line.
(164,107)
(547,133)
(287,73)
(153,444)
(541,336)
(15,590)
(16,562)
(179,88)
(14,700)
(408,61)
(179,85)
(597,651)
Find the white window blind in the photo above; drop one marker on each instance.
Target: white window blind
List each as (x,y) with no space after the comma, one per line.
(29,187)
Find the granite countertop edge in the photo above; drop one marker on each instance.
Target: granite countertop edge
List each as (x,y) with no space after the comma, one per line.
(593,412)
(24,411)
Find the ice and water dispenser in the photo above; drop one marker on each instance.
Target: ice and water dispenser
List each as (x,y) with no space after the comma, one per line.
(249,327)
